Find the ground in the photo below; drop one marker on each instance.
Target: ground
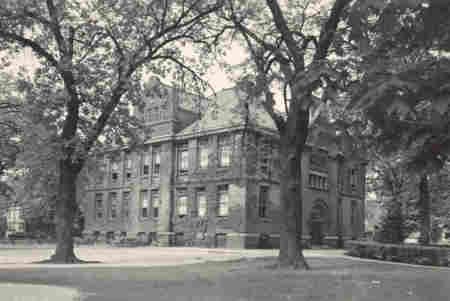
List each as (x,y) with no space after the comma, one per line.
(201,274)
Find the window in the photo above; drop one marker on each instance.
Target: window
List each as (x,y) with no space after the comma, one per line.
(126,204)
(156,202)
(156,155)
(99,205)
(51,212)
(128,167)
(203,154)
(115,170)
(265,156)
(318,181)
(263,201)
(144,203)
(154,115)
(145,164)
(114,205)
(201,203)
(353,178)
(164,111)
(222,208)
(183,159)
(101,170)
(20,227)
(182,202)
(225,150)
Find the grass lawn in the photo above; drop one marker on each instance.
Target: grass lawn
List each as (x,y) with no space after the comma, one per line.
(249,279)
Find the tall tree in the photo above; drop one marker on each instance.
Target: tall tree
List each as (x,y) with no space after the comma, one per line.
(290,42)
(10,129)
(394,188)
(404,83)
(91,58)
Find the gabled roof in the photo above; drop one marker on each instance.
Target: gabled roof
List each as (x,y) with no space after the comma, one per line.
(155,89)
(226,110)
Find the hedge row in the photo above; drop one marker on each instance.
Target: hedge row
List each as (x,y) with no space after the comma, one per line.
(414,254)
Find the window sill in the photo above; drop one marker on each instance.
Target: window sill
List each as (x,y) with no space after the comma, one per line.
(183,177)
(319,189)
(265,219)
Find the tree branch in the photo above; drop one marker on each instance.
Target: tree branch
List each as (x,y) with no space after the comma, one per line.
(55,27)
(329,29)
(40,19)
(281,24)
(184,66)
(32,44)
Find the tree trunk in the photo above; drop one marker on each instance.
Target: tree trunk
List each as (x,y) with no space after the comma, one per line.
(66,207)
(291,149)
(425,211)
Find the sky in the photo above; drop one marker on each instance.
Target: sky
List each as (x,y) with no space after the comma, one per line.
(216,76)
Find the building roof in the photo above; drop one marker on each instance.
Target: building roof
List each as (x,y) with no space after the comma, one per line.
(226,110)
(156,90)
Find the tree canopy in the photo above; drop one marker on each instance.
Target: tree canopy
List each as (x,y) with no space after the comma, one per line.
(290,47)
(92,56)
(404,76)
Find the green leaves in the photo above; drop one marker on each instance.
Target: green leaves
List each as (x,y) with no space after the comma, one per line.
(92,57)
(403,78)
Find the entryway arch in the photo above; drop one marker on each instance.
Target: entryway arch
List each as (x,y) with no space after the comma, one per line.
(319,218)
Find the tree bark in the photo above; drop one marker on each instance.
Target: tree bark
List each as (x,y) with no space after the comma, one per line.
(292,143)
(66,207)
(425,211)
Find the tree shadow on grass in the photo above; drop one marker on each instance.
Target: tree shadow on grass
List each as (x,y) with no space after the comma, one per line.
(76,261)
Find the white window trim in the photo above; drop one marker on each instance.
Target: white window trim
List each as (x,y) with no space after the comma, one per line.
(223,209)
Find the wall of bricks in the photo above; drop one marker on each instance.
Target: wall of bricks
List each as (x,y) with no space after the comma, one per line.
(243,227)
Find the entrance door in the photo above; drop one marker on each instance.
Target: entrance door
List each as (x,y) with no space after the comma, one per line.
(319,221)
(317,232)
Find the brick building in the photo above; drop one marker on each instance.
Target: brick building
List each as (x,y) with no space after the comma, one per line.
(212,180)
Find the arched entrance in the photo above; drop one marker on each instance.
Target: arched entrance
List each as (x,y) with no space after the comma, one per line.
(318,222)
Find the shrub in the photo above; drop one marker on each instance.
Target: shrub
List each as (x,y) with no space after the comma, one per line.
(417,254)
(394,227)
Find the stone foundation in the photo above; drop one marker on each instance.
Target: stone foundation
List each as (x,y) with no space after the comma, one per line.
(233,240)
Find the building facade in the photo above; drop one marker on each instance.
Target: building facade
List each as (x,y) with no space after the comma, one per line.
(212,180)
(15,221)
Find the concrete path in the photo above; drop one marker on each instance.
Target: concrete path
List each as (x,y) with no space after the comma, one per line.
(139,257)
